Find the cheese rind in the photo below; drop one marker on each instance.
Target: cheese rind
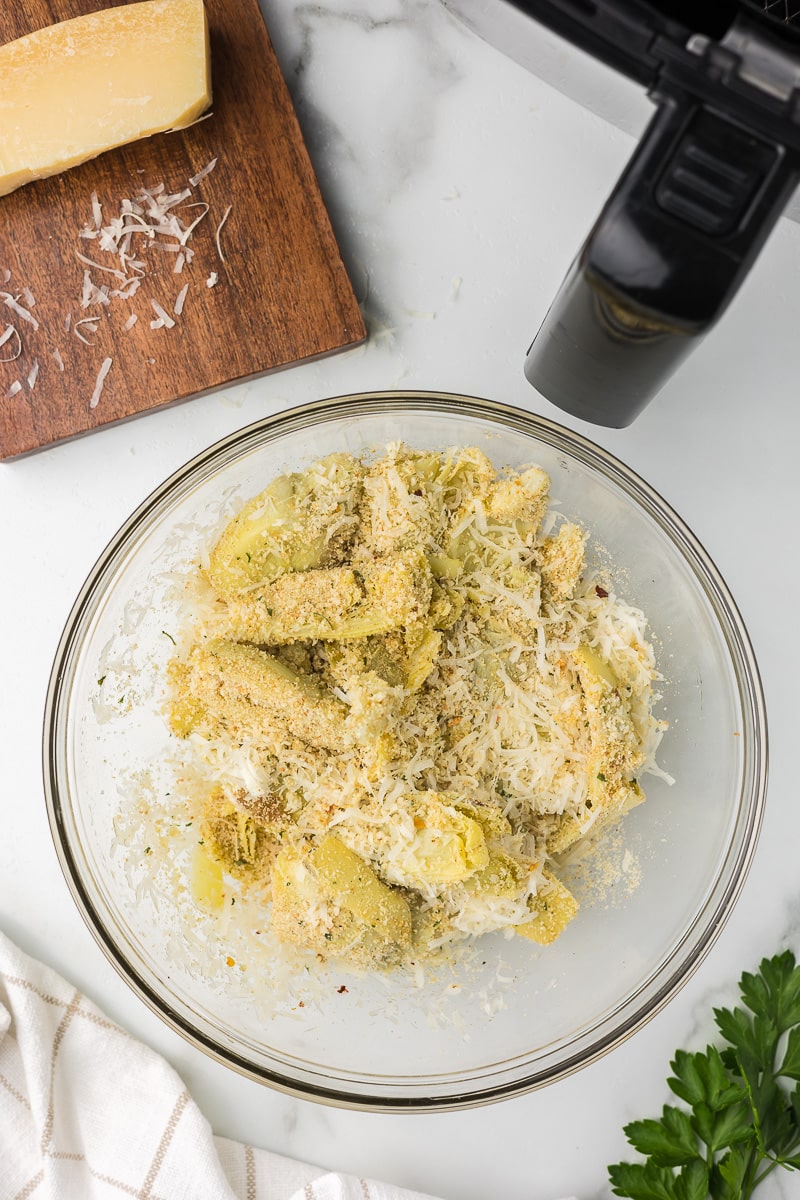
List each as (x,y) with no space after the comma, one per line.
(71,91)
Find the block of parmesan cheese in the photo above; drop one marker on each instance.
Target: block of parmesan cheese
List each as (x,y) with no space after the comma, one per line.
(70,91)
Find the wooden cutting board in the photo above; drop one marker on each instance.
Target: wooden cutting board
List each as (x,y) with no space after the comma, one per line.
(281,293)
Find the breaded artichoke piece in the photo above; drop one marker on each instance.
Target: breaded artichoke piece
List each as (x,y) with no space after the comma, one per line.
(327,899)
(518,610)
(447,605)
(468,481)
(422,656)
(431,928)
(616,749)
(234,837)
(301,520)
(465,475)
(345,875)
(445,567)
(337,604)
(396,513)
(250,694)
(300,913)
(382,656)
(553,908)
(489,816)
(402,658)
(616,753)
(562,561)
(373,711)
(606,807)
(448,846)
(594,670)
(521,498)
(502,876)
(207,882)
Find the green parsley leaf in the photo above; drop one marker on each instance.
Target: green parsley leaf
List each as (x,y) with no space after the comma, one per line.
(775,991)
(702,1079)
(741,1121)
(719,1130)
(731,1173)
(642,1182)
(692,1181)
(790,1067)
(670,1142)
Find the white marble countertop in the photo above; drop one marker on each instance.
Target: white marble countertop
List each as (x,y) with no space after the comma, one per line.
(459,186)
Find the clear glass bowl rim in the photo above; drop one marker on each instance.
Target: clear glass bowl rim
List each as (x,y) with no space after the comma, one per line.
(709,922)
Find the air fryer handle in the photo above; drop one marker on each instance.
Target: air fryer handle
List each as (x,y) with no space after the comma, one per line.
(672,245)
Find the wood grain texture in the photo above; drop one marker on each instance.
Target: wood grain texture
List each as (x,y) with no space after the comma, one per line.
(282,293)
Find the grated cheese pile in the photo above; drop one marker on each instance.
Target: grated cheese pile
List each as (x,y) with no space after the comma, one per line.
(126,251)
(402,698)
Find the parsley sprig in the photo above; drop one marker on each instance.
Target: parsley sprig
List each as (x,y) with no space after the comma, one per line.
(741,1114)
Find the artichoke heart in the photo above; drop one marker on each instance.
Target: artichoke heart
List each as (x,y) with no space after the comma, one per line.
(288,526)
(448,846)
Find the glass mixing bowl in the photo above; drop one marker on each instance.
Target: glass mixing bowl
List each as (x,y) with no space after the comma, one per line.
(517,1016)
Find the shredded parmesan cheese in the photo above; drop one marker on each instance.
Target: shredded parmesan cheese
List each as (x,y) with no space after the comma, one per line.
(153,219)
(206,170)
(91,327)
(100,267)
(101,378)
(11,332)
(162,317)
(13,303)
(225,216)
(180,299)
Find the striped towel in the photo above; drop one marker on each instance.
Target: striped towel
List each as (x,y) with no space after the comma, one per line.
(89,1113)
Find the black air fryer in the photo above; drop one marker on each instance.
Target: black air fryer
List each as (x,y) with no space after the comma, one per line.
(711,175)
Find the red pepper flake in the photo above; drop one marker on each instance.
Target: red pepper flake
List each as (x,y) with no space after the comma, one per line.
(601,592)
(301,1003)
(230,962)
(341,990)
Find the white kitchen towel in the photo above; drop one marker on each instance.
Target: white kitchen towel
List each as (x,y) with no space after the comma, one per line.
(89,1113)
